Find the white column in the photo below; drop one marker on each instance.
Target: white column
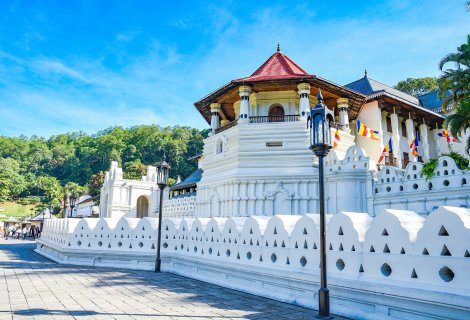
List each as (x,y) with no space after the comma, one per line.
(410,127)
(244,104)
(424,143)
(396,138)
(215,108)
(437,140)
(304,93)
(343,106)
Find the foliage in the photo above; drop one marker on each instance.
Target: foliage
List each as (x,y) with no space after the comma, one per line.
(459,122)
(76,161)
(134,169)
(94,186)
(428,168)
(417,86)
(460,161)
(455,81)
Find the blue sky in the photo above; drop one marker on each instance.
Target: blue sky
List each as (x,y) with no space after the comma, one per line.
(87,65)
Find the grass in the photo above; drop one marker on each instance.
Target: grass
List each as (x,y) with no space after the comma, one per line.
(13,209)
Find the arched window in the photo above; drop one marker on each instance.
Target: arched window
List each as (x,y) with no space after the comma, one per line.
(276,113)
(142,207)
(219,147)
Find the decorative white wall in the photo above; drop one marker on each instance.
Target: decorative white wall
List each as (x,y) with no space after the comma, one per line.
(398,264)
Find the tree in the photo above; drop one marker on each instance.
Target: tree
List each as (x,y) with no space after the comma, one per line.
(74,188)
(456,80)
(95,184)
(417,86)
(134,170)
(12,183)
(459,122)
(50,187)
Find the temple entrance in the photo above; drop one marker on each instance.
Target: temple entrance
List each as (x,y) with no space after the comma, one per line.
(276,114)
(142,207)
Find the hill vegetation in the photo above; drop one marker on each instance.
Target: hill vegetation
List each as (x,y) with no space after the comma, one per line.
(38,170)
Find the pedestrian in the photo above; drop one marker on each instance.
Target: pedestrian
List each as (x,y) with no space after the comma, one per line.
(25,232)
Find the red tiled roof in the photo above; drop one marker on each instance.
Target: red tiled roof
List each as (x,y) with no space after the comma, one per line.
(278,66)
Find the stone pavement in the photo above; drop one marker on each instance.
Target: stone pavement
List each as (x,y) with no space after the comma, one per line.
(33,287)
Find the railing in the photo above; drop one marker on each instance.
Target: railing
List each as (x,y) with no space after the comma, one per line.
(265,119)
(227,126)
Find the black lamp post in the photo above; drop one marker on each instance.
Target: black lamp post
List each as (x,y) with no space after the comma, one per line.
(73,198)
(320,122)
(64,215)
(162,181)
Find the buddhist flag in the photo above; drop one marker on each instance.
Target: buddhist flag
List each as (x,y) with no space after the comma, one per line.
(337,139)
(362,130)
(414,146)
(446,134)
(388,148)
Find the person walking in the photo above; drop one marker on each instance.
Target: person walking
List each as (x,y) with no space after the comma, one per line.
(25,232)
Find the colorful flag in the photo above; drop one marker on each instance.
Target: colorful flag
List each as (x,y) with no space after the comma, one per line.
(446,134)
(388,148)
(362,130)
(414,146)
(337,139)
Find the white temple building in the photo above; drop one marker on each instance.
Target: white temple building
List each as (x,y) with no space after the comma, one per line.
(257,161)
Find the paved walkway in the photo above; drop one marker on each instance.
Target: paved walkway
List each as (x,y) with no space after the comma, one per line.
(33,287)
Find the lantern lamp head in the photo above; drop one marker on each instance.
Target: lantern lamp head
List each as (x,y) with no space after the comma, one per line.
(73,199)
(163,174)
(320,121)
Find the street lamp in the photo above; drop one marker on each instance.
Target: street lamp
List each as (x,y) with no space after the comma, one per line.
(321,122)
(64,215)
(162,181)
(73,198)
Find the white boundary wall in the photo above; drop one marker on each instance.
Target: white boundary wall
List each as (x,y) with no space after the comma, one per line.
(396,265)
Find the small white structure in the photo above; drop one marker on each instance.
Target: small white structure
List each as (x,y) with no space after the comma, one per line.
(129,198)
(85,207)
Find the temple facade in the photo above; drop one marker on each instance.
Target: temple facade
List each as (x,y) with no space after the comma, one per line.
(256,160)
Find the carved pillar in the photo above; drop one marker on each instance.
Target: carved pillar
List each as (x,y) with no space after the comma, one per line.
(396,138)
(304,93)
(410,127)
(215,108)
(244,103)
(424,143)
(437,141)
(343,106)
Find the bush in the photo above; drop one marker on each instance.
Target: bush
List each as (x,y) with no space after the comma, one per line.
(429,167)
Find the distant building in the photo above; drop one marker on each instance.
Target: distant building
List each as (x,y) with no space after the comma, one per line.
(85,207)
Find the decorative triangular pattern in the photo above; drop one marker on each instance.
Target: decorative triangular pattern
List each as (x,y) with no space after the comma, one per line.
(340,232)
(402,251)
(413,274)
(371,249)
(341,247)
(386,249)
(443,231)
(305,244)
(445,251)
(353,248)
(385,232)
(425,252)
(361,269)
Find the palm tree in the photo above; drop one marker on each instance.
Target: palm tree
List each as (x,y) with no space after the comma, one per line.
(456,80)
(459,122)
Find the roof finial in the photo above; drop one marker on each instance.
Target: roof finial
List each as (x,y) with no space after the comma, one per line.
(278,47)
(319,96)
(365,73)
